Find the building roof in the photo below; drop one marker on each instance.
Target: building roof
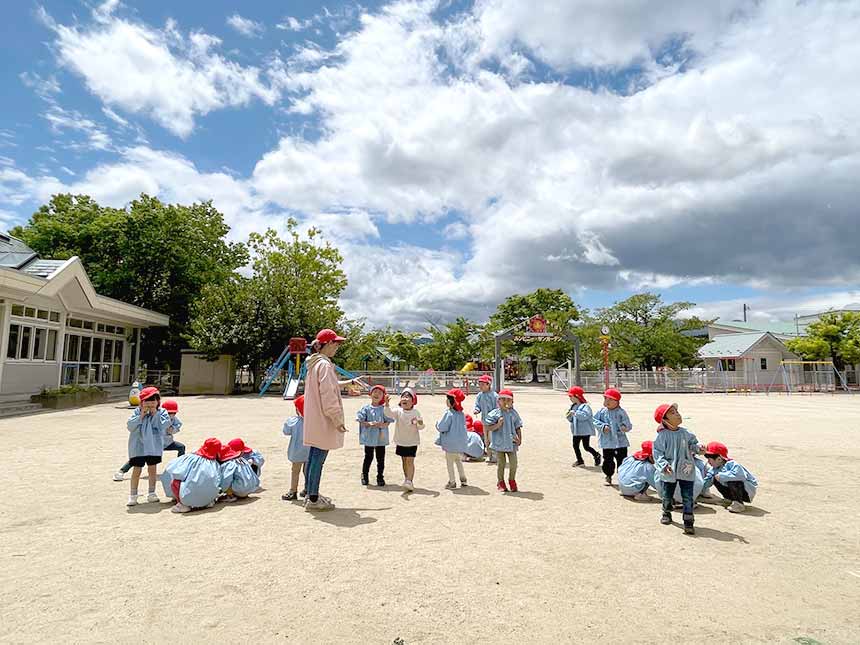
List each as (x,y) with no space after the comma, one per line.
(14,253)
(42,268)
(778,327)
(732,345)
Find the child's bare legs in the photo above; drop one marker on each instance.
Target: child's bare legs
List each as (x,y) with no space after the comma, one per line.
(150,472)
(135,480)
(408,468)
(294,476)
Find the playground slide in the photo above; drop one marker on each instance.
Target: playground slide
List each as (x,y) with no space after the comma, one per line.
(292,388)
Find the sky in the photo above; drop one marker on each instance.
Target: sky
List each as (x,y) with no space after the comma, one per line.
(458,152)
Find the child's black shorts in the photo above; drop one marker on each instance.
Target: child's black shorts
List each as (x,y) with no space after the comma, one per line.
(406,451)
(140,462)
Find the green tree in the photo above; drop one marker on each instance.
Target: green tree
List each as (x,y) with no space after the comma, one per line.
(557,308)
(293,292)
(835,336)
(454,344)
(402,345)
(150,254)
(647,333)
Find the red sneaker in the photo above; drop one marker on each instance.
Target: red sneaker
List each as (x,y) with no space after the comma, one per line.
(501,486)
(513,484)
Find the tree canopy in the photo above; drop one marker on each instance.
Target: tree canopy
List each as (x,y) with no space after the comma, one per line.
(835,336)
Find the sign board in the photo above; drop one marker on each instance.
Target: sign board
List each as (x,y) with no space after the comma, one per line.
(298,345)
(537,327)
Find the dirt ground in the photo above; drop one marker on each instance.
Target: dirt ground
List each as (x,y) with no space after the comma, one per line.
(565,560)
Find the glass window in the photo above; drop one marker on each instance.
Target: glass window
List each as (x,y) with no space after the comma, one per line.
(120,331)
(76,322)
(26,333)
(100,327)
(97,350)
(51,350)
(14,337)
(86,343)
(116,376)
(55,316)
(30,312)
(117,352)
(764,363)
(83,374)
(39,341)
(108,355)
(88,324)
(70,374)
(105,374)
(42,314)
(17,310)
(73,343)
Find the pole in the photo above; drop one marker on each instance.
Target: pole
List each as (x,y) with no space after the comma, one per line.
(605,362)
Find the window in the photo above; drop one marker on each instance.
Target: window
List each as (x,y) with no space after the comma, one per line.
(55,316)
(86,343)
(88,324)
(14,337)
(30,312)
(100,327)
(76,322)
(71,350)
(97,350)
(17,310)
(26,334)
(727,364)
(117,352)
(51,350)
(108,355)
(764,363)
(39,342)
(42,314)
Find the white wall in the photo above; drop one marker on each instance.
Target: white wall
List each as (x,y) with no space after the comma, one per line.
(27,377)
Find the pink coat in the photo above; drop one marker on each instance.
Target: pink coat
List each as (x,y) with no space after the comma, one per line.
(323,406)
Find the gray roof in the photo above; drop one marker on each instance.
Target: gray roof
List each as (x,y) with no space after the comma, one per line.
(42,268)
(784,328)
(732,345)
(14,254)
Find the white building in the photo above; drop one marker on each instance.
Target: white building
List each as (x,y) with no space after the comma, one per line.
(751,358)
(56,330)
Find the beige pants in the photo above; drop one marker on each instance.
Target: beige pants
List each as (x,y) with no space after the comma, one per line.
(452,458)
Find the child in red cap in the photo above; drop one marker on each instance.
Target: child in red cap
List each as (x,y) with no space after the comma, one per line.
(373,421)
(238,479)
(194,480)
(254,458)
(636,474)
(581,420)
(407,436)
(612,425)
(171,407)
(146,428)
(453,436)
(735,483)
(486,401)
(674,460)
(506,435)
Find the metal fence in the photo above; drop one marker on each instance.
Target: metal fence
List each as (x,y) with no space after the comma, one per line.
(395,382)
(167,381)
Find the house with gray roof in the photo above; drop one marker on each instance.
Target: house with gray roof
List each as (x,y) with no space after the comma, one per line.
(752,358)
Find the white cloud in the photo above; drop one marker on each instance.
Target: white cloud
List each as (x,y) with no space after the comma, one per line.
(159,72)
(348,226)
(294,24)
(45,88)
(246,26)
(62,120)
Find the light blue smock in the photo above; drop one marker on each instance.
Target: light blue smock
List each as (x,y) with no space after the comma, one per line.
(372,436)
(238,475)
(502,440)
(297,451)
(581,420)
(707,474)
(635,476)
(452,432)
(698,484)
(485,403)
(177,426)
(145,434)
(255,459)
(474,445)
(614,419)
(676,448)
(732,471)
(200,477)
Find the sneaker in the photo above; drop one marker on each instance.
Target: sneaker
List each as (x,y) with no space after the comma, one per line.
(737,507)
(132,500)
(180,508)
(364,480)
(322,504)
(118,475)
(463,482)
(152,498)
(304,493)
(706,496)
(666,519)
(493,460)
(228,498)
(513,484)
(608,480)
(642,497)
(501,487)
(380,481)
(577,464)
(598,460)
(408,485)
(689,530)
(451,485)
(290,497)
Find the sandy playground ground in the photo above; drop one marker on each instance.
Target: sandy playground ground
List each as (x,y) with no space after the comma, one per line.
(565,560)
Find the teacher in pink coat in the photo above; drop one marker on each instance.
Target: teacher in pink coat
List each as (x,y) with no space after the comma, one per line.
(324,425)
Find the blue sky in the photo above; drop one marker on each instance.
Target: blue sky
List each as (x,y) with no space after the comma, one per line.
(459,151)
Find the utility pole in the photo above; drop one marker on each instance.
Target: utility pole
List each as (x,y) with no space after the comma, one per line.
(746,308)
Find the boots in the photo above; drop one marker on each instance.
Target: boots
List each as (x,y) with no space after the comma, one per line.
(688,524)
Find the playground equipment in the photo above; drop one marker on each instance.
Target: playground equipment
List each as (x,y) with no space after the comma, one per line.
(134,395)
(469,367)
(807,376)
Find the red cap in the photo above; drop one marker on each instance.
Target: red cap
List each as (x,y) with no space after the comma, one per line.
(661,411)
(210,448)
(485,378)
(329,336)
(458,396)
(239,446)
(478,426)
(469,421)
(410,392)
(170,405)
(148,393)
(377,387)
(717,448)
(578,392)
(646,452)
(227,453)
(506,394)
(300,405)
(613,394)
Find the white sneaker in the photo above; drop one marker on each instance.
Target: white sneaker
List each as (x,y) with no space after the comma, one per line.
(228,498)
(152,498)
(132,500)
(408,485)
(180,508)
(322,504)
(642,497)
(451,485)
(737,507)
(118,476)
